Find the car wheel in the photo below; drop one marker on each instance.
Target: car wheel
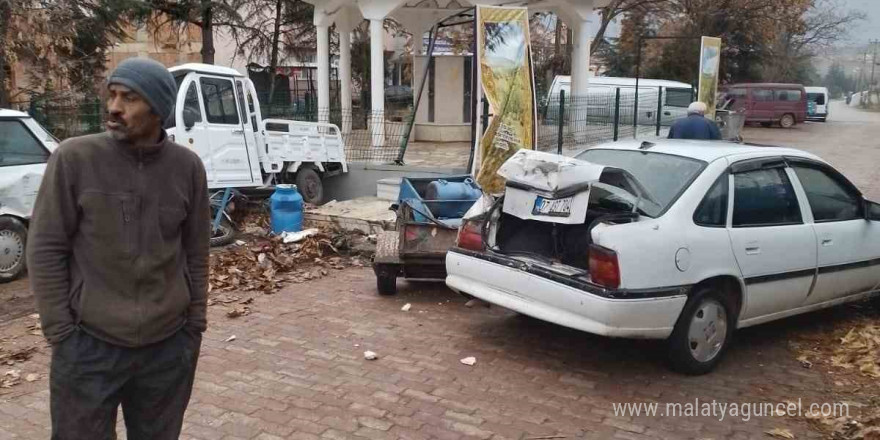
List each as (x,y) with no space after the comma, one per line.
(703,332)
(787,121)
(224,234)
(308,183)
(13,239)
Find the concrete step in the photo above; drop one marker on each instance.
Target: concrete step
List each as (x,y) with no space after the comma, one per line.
(388,188)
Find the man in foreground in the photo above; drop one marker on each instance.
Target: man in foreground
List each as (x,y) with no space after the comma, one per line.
(695,125)
(118,260)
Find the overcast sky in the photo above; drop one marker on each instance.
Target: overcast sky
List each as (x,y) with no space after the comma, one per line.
(868,29)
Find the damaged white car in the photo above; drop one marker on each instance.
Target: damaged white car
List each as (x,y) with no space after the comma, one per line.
(25,147)
(682,241)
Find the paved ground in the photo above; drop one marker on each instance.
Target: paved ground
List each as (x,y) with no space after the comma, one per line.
(296,367)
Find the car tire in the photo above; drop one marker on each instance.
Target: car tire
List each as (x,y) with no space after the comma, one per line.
(224,235)
(309,185)
(13,242)
(703,332)
(787,121)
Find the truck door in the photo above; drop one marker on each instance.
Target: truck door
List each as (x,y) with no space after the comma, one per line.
(229,153)
(189,110)
(250,130)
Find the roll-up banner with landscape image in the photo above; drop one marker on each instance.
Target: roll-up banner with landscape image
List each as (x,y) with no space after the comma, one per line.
(710,55)
(505,71)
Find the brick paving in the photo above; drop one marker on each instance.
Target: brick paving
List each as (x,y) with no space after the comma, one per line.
(296,370)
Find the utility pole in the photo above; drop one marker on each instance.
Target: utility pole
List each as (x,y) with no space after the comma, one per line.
(873,61)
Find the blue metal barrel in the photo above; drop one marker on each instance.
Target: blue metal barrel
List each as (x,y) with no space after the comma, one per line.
(286,207)
(442,189)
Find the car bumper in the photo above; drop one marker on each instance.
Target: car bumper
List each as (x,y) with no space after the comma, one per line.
(508,283)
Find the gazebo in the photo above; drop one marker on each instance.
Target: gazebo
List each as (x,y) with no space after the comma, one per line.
(418,16)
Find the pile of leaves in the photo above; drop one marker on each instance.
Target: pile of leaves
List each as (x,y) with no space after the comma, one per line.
(863,427)
(860,350)
(267,264)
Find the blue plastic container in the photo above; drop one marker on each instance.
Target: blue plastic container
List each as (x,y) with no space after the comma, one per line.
(286,209)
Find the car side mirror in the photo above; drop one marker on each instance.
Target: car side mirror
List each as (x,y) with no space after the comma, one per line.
(872,211)
(189,118)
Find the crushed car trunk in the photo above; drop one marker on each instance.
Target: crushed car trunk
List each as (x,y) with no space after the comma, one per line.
(551,203)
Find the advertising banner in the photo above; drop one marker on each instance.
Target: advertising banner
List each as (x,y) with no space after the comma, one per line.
(505,70)
(710,57)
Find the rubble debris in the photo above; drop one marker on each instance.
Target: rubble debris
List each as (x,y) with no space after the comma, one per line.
(230,339)
(10,358)
(296,237)
(370,356)
(865,427)
(406,307)
(470,361)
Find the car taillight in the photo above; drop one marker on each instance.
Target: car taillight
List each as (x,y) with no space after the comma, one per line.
(470,235)
(604,269)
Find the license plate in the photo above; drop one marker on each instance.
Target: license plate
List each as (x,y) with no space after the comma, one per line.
(552,207)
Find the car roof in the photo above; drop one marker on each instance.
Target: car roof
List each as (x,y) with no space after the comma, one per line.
(769,85)
(6,113)
(209,69)
(816,89)
(625,81)
(709,151)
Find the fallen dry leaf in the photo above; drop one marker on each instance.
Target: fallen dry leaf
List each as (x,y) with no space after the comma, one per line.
(779,433)
(10,358)
(237,312)
(33,377)
(230,339)
(469,361)
(406,307)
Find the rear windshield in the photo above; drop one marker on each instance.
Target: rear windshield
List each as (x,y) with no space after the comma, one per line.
(663,176)
(818,98)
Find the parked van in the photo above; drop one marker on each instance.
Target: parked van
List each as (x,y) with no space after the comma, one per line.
(599,106)
(817,103)
(768,103)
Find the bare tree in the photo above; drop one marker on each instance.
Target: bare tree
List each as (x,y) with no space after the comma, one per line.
(620,7)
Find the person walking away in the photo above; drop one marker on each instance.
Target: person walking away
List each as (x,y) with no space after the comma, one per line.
(118,258)
(695,125)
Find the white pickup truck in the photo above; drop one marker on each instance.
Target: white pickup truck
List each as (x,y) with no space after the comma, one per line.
(217,114)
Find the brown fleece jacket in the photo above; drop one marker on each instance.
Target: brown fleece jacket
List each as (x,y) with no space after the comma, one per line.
(119,240)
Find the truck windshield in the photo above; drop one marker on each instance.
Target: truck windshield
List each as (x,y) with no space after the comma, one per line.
(663,176)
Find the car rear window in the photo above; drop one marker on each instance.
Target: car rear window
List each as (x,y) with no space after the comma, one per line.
(663,176)
(818,98)
(18,146)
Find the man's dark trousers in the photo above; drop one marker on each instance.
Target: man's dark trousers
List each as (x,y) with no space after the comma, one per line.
(90,378)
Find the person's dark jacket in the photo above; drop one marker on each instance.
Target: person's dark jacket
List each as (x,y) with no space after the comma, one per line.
(694,127)
(119,240)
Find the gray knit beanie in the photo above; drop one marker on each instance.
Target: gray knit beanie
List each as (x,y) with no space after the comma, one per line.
(151,80)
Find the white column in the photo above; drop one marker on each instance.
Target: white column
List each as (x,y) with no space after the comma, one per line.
(345,78)
(377,80)
(580,63)
(323,31)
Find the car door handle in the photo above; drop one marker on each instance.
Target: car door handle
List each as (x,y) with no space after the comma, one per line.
(237,131)
(827,242)
(753,250)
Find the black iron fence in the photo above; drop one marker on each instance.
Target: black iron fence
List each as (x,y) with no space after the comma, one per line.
(565,124)
(571,123)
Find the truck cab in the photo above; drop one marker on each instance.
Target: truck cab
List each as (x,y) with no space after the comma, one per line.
(217,114)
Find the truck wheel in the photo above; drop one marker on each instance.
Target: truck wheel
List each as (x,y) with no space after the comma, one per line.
(787,121)
(224,235)
(703,332)
(386,279)
(13,239)
(308,183)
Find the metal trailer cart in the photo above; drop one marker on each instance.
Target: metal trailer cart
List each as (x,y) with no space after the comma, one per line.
(429,213)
